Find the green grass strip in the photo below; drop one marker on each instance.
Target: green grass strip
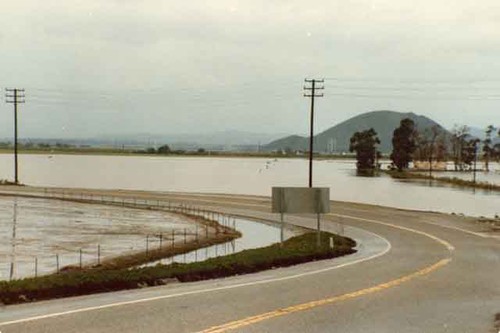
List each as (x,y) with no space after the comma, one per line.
(295,250)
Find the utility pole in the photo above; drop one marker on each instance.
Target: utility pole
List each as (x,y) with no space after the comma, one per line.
(312,95)
(15,96)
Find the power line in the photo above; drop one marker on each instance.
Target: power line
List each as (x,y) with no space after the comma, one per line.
(466,81)
(15,96)
(421,97)
(447,89)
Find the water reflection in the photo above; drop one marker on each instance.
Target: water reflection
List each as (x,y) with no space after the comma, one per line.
(38,233)
(254,235)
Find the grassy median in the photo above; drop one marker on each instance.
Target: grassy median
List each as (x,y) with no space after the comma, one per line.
(296,250)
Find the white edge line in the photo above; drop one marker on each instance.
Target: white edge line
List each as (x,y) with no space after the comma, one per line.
(478,234)
(58,314)
(435,238)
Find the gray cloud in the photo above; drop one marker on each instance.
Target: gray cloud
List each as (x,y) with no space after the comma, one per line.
(115,66)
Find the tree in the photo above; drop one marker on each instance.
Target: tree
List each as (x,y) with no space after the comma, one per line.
(431,146)
(468,154)
(459,136)
(487,147)
(364,144)
(403,144)
(496,149)
(165,149)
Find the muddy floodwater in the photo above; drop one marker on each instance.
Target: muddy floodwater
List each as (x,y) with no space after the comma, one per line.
(248,176)
(41,234)
(39,229)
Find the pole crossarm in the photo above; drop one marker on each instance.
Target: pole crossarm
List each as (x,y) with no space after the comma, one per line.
(316,88)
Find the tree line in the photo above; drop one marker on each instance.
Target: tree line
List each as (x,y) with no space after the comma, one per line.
(431,145)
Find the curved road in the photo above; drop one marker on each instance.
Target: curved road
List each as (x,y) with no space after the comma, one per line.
(414,272)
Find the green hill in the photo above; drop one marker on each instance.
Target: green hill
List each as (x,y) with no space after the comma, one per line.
(336,138)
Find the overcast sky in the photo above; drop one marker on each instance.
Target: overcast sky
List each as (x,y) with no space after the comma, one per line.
(93,68)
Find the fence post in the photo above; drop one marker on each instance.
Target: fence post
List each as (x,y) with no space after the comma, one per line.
(173,238)
(57,262)
(36,266)
(161,240)
(98,254)
(196,233)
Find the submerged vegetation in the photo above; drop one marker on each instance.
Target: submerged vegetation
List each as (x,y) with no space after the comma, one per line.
(295,250)
(365,145)
(448,180)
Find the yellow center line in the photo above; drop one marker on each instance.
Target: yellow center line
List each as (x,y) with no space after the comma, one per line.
(335,299)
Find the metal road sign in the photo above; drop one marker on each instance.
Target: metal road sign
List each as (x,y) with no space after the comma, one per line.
(301,200)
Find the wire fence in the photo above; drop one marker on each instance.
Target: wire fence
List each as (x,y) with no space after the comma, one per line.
(208,224)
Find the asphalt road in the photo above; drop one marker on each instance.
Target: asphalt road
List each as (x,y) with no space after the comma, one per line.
(414,272)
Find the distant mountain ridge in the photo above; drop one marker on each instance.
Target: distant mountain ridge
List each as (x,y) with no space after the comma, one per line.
(336,139)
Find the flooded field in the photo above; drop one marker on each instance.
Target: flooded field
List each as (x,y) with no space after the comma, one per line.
(492,176)
(41,229)
(246,176)
(45,233)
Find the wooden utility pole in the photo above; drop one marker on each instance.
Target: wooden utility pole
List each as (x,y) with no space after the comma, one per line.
(312,95)
(15,96)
